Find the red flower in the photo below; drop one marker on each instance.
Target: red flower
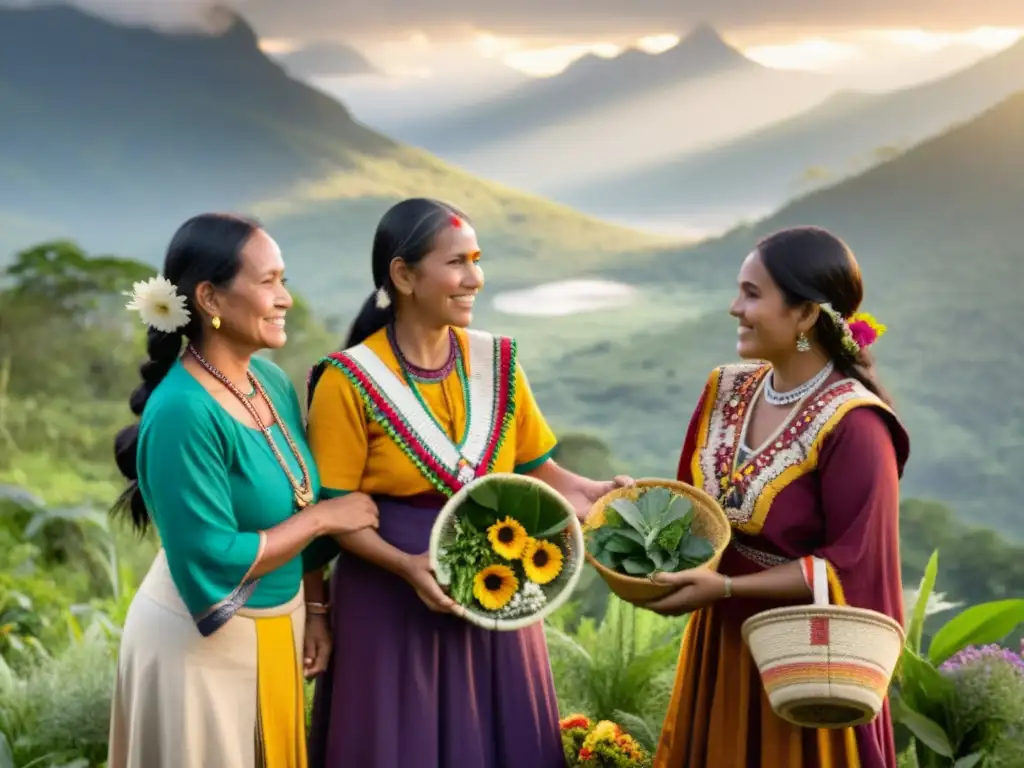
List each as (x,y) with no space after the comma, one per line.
(863,333)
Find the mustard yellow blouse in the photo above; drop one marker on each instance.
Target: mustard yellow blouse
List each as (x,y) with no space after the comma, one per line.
(354,452)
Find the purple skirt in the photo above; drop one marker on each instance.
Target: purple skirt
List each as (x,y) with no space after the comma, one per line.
(410,688)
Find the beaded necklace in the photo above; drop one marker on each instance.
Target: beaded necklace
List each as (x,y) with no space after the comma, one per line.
(301,491)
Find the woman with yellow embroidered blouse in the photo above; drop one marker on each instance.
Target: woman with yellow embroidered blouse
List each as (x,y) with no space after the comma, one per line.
(415,407)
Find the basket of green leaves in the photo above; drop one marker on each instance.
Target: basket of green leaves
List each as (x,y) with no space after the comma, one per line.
(653,527)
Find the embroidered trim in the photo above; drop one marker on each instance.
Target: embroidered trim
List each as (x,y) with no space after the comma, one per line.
(219,615)
(490,405)
(766,559)
(747,492)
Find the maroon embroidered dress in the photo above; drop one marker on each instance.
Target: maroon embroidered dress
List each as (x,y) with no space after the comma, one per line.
(826,485)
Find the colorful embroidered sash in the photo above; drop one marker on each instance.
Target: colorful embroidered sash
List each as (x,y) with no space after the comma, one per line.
(392,404)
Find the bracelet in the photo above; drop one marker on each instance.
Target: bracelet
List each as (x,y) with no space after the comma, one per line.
(319,609)
(728,586)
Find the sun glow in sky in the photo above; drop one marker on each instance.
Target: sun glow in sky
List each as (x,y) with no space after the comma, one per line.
(822,52)
(545,62)
(815,53)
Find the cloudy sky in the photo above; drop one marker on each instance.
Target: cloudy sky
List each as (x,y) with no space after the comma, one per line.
(467,42)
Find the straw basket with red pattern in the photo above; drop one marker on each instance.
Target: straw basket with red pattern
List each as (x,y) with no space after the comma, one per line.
(822,665)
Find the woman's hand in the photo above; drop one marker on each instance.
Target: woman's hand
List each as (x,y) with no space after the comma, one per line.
(316,647)
(607,486)
(348,514)
(597,489)
(695,589)
(418,573)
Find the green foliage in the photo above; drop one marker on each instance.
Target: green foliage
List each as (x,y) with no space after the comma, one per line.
(63,331)
(620,668)
(467,554)
(649,535)
(59,711)
(540,513)
(948,705)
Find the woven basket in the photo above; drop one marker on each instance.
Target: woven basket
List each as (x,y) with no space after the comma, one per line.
(709,521)
(557,591)
(824,666)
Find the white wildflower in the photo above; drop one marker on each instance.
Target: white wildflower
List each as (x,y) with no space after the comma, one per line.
(526,602)
(159,305)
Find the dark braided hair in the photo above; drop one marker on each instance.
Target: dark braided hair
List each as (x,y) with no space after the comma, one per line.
(206,248)
(810,264)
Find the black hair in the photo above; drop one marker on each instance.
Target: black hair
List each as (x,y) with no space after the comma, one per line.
(407,231)
(206,248)
(810,264)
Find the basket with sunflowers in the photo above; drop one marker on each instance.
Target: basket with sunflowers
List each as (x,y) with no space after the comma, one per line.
(600,745)
(509,549)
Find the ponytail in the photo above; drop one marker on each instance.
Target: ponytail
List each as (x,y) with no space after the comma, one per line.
(163,350)
(371,318)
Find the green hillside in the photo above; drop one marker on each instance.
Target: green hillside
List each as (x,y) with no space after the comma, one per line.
(940,236)
(113,135)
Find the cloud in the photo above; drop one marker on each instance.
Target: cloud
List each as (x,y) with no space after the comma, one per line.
(164,14)
(353,18)
(575,17)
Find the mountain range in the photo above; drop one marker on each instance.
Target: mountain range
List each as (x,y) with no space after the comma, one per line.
(604,114)
(940,239)
(761,170)
(113,135)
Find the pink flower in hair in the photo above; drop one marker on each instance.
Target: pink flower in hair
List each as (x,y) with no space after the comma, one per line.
(865,329)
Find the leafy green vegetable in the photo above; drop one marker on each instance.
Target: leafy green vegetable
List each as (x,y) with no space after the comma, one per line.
(540,514)
(469,553)
(649,535)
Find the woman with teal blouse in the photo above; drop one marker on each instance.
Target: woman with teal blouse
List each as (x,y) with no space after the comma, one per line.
(211,661)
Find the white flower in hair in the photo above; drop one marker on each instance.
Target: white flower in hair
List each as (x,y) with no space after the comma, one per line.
(383,300)
(159,304)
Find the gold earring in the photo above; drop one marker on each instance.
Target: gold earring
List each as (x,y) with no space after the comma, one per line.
(215,322)
(803,344)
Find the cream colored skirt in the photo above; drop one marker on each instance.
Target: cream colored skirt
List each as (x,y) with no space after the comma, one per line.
(226,701)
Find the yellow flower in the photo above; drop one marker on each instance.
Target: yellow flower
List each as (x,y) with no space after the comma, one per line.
(508,538)
(866,317)
(494,586)
(542,561)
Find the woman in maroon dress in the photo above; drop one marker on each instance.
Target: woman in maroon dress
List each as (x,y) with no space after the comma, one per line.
(805,454)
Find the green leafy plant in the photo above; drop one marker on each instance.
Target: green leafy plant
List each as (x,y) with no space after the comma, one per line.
(469,553)
(621,667)
(936,703)
(648,535)
(539,513)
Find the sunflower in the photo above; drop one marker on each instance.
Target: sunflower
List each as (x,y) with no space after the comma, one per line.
(494,586)
(542,561)
(508,538)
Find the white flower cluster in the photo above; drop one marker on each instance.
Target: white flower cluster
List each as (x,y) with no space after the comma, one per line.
(526,602)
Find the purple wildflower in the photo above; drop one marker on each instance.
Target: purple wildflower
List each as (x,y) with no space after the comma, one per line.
(974,654)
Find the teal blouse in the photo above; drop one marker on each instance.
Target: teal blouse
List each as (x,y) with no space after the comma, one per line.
(211,484)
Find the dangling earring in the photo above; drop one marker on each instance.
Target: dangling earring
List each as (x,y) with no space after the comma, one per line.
(803,344)
(215,322)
